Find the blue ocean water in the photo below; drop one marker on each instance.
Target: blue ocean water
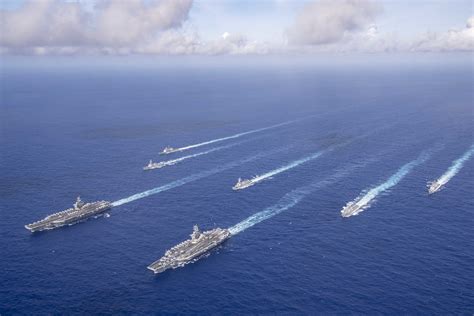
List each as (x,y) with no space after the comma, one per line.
(89,130)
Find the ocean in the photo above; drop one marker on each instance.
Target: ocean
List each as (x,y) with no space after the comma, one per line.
(375,132)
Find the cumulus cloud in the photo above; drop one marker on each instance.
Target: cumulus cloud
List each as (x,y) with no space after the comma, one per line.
(50,25)
(161,27)
(326,21)
(452,40)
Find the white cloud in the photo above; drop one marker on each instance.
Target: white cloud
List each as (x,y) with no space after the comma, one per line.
(452,40)
(120,27)
(48,25)
(325,22)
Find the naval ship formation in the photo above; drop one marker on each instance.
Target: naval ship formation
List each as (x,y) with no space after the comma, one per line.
(78,212)
(190,250)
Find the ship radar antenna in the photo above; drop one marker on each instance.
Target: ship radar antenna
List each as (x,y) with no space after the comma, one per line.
(196,233)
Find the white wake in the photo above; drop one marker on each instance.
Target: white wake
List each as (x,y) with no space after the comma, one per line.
(289,166)
(236,135)
(365,199)
(294,197)
(192,178)
(456,166)
(181,159)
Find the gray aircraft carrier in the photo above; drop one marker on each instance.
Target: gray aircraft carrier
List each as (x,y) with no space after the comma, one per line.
(190,250)
(78,212)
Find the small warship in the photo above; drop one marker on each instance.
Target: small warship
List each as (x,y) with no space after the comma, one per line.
(190,250)
(155,165)
(434,187)
(78,212)
(169,150)
(352,209)
(242,184)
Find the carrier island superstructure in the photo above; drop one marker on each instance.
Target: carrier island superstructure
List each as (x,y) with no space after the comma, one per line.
(80,211)
(190,250)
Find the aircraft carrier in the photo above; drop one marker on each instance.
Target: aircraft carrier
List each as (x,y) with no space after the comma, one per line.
(155,165)
(190,250)
(352,209)
(78,212)
(242,184)
(169,150)
(434,187)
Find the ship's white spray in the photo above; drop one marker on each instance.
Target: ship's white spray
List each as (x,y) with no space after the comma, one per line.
(456,166)
(192,178)
(178,160)
(366,197)
(236,135)
(287,167)
(294,197)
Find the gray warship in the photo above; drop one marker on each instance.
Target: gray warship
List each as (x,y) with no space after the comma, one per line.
(351,209)
(155,165)
(190,250)
(434,187)
(169,150)
(242,184)
(78,212)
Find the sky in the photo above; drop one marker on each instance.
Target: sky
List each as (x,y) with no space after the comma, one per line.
(234,27)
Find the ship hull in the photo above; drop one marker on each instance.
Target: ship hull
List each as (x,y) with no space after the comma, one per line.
(159,266)
(48,224)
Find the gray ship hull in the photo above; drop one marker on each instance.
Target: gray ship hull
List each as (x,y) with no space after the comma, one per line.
(190,250)
(70,216)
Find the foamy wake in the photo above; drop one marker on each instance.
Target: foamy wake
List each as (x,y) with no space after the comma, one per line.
(237,135)
(367,197)
(294,197)
(181,159)
(456,166)
(289,166)
(191,178)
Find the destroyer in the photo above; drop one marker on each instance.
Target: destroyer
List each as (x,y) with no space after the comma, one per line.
(434,187)
(352,209)
(190,250)
(78,212)
(169,150)
(156,165)
(242,184)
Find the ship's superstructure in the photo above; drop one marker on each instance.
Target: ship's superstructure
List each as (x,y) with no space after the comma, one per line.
(155,165)
(169,150)
(78,212)
(352,209)
(242,184)
(434,187)
(190,250)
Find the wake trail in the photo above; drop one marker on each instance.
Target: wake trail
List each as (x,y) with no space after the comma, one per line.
(178,160)
(364,201)
(294,197)
(303,160)
(291,165)
(237,135)
(456,166)
(192,178)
